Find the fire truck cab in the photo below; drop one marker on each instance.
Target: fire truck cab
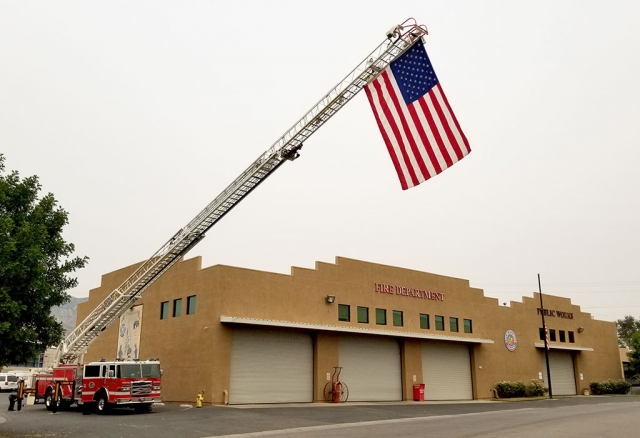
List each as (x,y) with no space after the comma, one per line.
(103,385)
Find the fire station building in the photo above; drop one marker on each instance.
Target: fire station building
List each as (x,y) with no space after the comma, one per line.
(246,336)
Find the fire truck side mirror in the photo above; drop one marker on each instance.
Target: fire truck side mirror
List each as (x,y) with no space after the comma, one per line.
(161,372)
(112,374)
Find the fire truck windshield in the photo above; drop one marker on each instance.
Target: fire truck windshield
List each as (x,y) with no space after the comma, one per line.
(139,370)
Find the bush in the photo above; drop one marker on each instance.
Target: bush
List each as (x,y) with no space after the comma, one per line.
(511,389)
(610,386)
(519,389)
(535,389)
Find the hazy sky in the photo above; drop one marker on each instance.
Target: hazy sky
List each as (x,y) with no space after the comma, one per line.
(137,114)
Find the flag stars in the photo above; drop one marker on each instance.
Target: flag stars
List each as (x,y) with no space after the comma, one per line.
(414,73)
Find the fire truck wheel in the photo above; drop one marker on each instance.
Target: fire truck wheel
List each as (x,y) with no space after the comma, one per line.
(102,404)
(48,399)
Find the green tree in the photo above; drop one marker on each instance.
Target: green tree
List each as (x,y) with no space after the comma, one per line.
(634,353)
(35,263)
(627,327)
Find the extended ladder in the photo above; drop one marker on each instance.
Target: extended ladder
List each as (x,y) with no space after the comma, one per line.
(399,39)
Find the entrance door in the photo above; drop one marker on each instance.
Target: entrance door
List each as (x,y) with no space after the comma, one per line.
(371,368)
(446,370)
(270,366)
(563,377)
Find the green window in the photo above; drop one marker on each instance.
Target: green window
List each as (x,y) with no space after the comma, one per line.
(453,324)
(363,315)
(164,310)
(397,318)
(468,328)
(440,323)
(381,316)
(191,305)
(343,312)
(177,307)
(424,321)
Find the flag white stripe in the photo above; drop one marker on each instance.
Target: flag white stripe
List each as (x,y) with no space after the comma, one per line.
(403,135)
(387,128)
(443,133)
(416,136)
(432,140)
(452,125)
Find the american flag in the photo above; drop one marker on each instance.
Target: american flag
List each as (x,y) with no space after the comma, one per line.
(546,338)
(417,124)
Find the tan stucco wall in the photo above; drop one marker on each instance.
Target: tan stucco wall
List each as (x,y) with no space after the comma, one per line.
(195,349)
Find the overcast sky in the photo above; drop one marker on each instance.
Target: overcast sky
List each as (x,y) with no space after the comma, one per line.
(137,114)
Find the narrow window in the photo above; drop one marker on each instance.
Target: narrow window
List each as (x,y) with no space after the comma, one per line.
(541,329)
(363,315)
(424,321)
(552,335)
(397,318)
(453,324)
(343,312)
(440,323)
(164,310)
(468,328)
(562,337)
(191,305)
(571,338)
(177,307)
(381,316)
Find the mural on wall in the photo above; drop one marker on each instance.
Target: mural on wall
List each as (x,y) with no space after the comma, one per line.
(129,333)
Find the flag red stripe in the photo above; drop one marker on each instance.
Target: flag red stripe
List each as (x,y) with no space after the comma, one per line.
(435,131)
(385,137)
(425,140)
(407,130)
(455,120)
(394,127)
(445,124)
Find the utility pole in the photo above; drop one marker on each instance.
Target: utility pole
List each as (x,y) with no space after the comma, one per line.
(546,339)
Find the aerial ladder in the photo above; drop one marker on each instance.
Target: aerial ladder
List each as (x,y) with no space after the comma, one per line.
(399,39)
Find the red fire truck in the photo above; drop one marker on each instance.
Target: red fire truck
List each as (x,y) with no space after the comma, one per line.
(101,385)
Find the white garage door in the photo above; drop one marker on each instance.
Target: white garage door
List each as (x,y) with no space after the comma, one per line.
(271,367)
(563,378)
(371,368)
(446,370)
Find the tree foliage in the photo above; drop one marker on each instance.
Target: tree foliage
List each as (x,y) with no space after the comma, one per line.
(627,327)
(35,267)
(634,353)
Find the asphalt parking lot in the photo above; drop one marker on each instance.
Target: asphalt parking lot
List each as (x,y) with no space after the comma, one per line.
(179,420)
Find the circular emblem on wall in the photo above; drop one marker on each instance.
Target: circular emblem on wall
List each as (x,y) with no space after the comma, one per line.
(510,340)
(91,384)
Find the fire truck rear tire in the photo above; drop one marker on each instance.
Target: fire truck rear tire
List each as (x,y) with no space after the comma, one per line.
(102,404)
(86,408)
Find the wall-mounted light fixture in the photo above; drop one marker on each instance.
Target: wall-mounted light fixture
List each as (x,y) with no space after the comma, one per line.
(330,298)
(580,329)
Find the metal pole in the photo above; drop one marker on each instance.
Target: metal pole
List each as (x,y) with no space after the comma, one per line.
(546,343)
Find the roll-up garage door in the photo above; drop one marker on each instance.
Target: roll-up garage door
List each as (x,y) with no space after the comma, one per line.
(446,370)
(269,366)
(371,368)
(563,378)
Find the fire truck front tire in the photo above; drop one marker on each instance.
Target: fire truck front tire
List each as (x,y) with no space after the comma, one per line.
(102,403)
(48,400)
